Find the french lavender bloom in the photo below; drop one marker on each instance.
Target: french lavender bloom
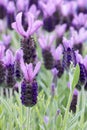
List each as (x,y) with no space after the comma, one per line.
(2,66)
(27,43)
(29,86)
(68,53)
(74,101)
(82,6)
(57,55)
(68,10)
(3,9)
(9,64)
(31,2)
(83,72)
(60,30)
(79,21)
(48,10)
(79,38)
(6,40)
(85,64)
(46,45)
(18,56)
(10,14)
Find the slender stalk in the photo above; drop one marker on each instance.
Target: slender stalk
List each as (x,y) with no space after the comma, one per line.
(28,127)
(67,112)
(83,107)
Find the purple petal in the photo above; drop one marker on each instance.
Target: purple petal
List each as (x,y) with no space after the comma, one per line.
(2,49)
(19,24)
(9,59)
(36,26)
(37,68)
(30,71)
(24,69)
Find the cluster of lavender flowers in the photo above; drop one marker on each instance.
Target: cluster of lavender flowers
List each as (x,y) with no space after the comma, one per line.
(61,38)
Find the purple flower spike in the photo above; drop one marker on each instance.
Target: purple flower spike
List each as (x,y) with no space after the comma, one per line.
(29,86)
(9,63)
(18,56)
(57,54)
(32,25)
(6,40)
(2,66)
(46,45)
(68,53)
(2,9)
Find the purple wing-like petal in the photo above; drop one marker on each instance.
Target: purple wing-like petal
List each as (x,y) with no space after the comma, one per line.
(37,68)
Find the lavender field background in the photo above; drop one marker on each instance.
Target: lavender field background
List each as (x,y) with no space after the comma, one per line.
(43,64)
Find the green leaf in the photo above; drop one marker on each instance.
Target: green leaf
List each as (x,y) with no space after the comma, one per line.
(76,76)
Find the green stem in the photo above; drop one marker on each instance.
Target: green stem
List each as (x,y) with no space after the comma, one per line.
(83,108)
(28,127)
(67,111)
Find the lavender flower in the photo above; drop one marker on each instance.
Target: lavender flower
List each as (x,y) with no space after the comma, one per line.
(48,11)
(79,21)
(83,72)
(2,66)
(2,9)
(6,40)
(27,43)
(9,63)
(79,38)
(74,101)
(60,30)
(10,14)
(57,54)
(29,86)
(46,45)
(68,53)
(18,56)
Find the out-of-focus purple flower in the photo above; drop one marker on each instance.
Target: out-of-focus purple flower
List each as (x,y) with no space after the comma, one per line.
(83,72)
(79,20)
(10,14)
(32,25)
(18,56)
(6,40)
(80,36)
(60,30)
(74,101)
(2,9)
(46,120)
(9,63)
(46,45)
(57,54)
(68,53)
(33,10)
(82,6)
(2,66)
(20,5)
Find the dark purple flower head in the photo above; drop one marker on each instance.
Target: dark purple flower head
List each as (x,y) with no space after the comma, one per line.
(68,53)
(9,63)
(32,25)
(3,9)
(46,45)
(18,56)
